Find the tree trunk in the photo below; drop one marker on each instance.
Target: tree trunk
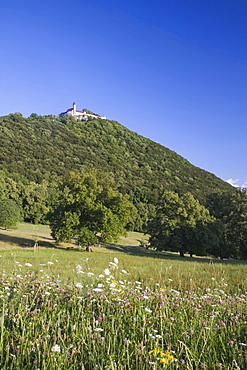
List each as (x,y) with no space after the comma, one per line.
(181,253)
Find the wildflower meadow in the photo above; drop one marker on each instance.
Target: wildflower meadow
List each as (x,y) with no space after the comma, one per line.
(75,310)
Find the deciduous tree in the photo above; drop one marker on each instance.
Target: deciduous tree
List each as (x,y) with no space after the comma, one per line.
(9,213)
(90,210)
(231,210)
(182,224)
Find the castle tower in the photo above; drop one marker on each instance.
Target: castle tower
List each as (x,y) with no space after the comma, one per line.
(74,109)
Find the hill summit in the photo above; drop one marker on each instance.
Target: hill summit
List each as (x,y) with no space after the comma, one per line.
(79,115)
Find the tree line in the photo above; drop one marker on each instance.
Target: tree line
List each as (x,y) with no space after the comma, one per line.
(218,228)
(90,209)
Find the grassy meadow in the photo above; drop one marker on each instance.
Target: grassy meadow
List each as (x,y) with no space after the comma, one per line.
(120,307)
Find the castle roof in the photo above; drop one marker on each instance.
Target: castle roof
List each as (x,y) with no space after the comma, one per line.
(71,109)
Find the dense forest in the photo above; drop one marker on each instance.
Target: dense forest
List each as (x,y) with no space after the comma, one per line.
(42,148)
(39,153)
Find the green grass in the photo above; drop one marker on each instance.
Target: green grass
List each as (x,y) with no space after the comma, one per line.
(26,234)
(60,309)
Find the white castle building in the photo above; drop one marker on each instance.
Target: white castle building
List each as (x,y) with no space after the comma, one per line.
(80,115)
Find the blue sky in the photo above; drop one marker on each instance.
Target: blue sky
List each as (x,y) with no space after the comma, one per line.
(174,71)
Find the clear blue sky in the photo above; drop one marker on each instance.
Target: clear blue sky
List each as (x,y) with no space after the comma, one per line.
(174,71)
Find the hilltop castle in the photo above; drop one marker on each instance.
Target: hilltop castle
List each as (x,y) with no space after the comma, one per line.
(80,115)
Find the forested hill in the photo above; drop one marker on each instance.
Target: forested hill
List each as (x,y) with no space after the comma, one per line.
(46,147)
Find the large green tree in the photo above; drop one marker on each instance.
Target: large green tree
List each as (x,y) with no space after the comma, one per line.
(37,201)
(90,210)
(231,210)
(181,224)
(9,213)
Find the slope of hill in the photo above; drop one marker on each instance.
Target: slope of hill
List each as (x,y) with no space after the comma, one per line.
(47,147)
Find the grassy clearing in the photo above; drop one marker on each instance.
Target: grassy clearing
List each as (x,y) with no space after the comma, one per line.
(120,307)
(26,234)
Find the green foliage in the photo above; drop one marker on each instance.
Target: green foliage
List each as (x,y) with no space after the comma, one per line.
(182,225)
(9,214)
(34,200)
(47,148)
(231,210)
(90,210)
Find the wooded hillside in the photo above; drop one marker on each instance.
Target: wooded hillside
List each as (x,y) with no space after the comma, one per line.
(47,147)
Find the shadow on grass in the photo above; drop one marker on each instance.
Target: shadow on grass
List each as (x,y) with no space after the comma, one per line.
(143,252)
(131,250)
(24,242)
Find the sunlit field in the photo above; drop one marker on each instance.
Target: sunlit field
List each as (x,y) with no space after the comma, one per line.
(120,307)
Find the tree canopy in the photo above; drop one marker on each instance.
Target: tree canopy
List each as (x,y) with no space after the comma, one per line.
(90,210)
(9,213)
(182,225)
(231,210)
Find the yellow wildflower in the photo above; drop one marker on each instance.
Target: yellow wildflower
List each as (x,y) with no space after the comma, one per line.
(168,355)
(164,360)
(164,357)
(155,350)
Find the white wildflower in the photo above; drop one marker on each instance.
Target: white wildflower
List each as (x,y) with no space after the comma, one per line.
(79,269)
(113,265)
(56,348)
